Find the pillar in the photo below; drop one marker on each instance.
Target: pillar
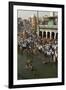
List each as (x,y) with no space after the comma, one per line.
(42,34)
(54,35)
(50,35)
(46,35)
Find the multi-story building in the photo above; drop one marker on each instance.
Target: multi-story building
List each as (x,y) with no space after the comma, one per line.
(33,21)
(49,27)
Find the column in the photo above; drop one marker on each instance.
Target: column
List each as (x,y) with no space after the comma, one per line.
(46,35)
(54,35)
(50,35)
(42,34)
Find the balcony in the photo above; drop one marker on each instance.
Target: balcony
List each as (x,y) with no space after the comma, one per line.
(48,26)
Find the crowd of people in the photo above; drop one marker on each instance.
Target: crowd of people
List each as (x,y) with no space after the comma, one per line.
(35,44)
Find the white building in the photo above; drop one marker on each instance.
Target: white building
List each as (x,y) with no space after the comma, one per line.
(50,30)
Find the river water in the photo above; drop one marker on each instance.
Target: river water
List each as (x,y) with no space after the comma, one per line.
(39,69)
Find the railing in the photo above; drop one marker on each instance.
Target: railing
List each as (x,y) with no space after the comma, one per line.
(48,26)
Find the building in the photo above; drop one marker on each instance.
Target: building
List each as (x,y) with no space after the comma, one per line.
(33,21)
(49,28)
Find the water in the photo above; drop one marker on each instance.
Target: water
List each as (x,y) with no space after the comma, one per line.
(39,70)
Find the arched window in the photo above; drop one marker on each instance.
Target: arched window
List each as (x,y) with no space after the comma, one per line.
(44,34)
(48,34)
(53,35)
(40,33)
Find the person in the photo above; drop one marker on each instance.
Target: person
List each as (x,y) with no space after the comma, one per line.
(52,54)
